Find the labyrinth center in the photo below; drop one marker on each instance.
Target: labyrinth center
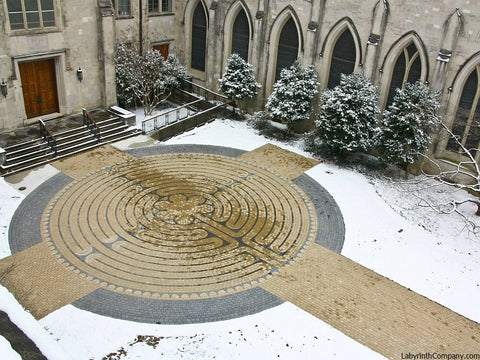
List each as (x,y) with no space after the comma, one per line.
(179,226)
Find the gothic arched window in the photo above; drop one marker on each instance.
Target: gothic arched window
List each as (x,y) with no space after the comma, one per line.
(287,47)
(199,38)
(408,68)
(467,119)
(241,35)
(343,58)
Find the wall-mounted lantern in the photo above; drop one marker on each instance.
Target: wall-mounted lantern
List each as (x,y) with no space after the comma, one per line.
(80,74)
(3,88)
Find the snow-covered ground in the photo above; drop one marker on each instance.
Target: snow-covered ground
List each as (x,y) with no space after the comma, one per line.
(385,232)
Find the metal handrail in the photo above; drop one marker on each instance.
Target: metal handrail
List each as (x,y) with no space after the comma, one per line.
(91,124)
(200,92)
(207,93)
(47,136)
(167,118)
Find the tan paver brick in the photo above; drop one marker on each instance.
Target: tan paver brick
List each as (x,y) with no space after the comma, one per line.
(179,225)
(87,162)
(377,312)
(40,283)
(285,163)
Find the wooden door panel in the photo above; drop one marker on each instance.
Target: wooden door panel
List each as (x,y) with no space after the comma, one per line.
(39,87)
(29,86)
(47,86)
(163,49)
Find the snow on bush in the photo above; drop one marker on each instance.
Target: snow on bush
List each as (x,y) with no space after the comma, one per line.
(292,94)
(238,81)
(348,115)
(147,78)
(407,124)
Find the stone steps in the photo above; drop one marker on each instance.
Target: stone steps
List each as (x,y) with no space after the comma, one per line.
(39,151)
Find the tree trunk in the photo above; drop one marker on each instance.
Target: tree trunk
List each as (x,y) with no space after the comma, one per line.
(478,209)
(407,171)
(289,127)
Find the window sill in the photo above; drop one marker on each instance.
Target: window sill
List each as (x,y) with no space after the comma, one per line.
(124,17)
(161,14)
(27,32)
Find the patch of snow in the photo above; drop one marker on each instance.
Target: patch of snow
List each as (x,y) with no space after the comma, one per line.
(284,331)
(32,328)
(6,350)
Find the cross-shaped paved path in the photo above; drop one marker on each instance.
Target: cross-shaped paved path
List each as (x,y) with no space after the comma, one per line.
(386,317)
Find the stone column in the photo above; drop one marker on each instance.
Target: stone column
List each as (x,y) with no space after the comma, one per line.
(260,50)
(214,47)
(451,31)
(311,39)
(379,22)
(258,37)
(107,52)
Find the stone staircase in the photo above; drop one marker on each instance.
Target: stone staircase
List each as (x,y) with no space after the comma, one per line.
(51,145)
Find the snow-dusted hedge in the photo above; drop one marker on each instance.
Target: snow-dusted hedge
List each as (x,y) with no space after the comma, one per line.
(238,81)
(407,125)
(291,99)
(347,120)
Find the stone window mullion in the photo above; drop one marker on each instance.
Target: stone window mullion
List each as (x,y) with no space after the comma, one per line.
(409,61)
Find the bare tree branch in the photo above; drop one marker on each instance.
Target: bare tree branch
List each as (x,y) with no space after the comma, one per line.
(464,175)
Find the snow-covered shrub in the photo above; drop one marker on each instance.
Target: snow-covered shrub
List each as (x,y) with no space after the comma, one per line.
(260,120)
(407,125)
(291,99)
(125,58)
(348,115)
(312,144)
(238,81)
(150,78)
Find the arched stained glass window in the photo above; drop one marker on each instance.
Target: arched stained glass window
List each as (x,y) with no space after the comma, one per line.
(287,47)
(408,68)
(241,35)
(467,118)
(199,38)
(343,58)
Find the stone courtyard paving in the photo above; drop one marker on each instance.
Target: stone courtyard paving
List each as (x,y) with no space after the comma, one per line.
(188,234)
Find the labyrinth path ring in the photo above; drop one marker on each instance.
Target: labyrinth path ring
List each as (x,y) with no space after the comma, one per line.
(179,226)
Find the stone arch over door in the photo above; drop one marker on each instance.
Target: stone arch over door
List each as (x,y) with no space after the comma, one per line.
(408,54)
(235,20)
(287,15)
(344,27)
(196,35)
(463,108)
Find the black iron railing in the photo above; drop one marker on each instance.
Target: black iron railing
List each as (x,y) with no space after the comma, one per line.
(91,124)
(47,136)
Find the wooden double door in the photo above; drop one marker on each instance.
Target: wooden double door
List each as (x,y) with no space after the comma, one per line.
(39,85)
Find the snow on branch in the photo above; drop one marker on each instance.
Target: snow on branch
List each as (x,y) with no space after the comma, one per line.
(464,175)
(148,78)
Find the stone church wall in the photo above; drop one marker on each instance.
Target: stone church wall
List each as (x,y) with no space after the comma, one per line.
(80,39)
(447,34)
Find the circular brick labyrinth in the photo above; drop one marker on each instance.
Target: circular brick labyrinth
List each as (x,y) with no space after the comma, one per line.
(179,226)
